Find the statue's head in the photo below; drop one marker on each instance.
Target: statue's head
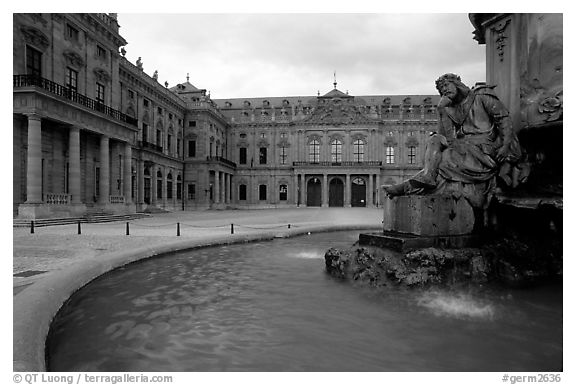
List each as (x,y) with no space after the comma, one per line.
(450,86)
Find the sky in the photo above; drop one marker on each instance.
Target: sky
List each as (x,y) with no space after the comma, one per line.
(296,54)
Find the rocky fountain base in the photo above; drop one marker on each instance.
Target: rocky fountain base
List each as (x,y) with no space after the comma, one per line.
(437,246)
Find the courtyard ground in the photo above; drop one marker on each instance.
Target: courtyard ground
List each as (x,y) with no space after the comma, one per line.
(57,247)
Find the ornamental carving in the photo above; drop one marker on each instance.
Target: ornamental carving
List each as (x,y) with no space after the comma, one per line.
(390,141)
(35,37)
(335,112)
(500,40)
(552,106)
(73,59)
(101,75)
(412,142)
(38,18)
(262,143)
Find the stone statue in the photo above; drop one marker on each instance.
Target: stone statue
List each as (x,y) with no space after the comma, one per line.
(155,76)
(475,143)
(139,62)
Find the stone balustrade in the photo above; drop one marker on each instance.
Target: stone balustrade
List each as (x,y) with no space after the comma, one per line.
(57,198)
(116,199)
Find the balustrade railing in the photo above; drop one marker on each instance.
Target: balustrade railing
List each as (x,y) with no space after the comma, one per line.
(69,94)
(150,145)
(221,160)
(116,199)
(339,164)
(57,198)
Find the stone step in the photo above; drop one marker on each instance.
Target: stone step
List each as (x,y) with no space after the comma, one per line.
(91,218)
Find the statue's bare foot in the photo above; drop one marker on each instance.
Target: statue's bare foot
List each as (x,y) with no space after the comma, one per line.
(394,190)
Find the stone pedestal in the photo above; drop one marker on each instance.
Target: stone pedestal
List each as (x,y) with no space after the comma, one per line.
(428,215)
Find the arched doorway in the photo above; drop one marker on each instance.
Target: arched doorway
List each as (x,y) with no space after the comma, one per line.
(314,192)
(358,198)
(336,193)
(147,184)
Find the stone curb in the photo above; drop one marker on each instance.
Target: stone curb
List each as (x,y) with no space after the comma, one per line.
(36,306)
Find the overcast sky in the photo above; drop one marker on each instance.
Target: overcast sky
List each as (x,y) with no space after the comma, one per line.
(252,55)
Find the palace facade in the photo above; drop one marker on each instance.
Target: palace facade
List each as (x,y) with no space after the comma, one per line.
(92,132)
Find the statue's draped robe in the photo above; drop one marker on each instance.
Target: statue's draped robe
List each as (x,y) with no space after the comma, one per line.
(471,134)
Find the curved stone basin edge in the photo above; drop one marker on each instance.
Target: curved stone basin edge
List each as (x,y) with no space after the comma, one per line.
(35,307)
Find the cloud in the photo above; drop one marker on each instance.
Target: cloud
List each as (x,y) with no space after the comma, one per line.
(247,55)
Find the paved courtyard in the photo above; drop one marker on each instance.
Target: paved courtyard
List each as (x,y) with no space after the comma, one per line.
(56,247)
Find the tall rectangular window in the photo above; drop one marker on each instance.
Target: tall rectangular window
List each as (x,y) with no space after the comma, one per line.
(336,150)
(358,151)
(100,89)
(263,155)
(100,52)
(283,155)
(144,132)
(71,79)
(262,192)
(242,192)
(191,148)
(169,144)
(243,156)
(71,33)
(130,94)
(33,61)
(314,151)
(389,155)
(411,155)
(283,192)
(159,138)
(178,147)
(191,191)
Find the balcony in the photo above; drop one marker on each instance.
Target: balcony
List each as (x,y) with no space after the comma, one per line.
(149,145)
(222,160)
(21,81)
(372,163)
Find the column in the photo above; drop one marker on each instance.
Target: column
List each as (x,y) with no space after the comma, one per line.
(304,191)
(295,189)
(348,192)
(104,170)
(127,173)
(369,192)
(164,186)
(325,191)
(34,160)
(217,187)
(74,164)
(226,188)
(174,189)
(377,190)
(233,191)
(140,197)
(223,187)
(153,183)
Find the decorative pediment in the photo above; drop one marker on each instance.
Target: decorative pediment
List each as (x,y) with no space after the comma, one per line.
(337,111)
(263,143)
(35,37)
(390,141)
(412,142)
(334,137)
(315,137)
(101,75)
(361,137)
(283,143)
(73,59)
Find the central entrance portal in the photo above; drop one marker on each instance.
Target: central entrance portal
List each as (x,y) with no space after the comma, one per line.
(314,192)
(336,193)
(358,192)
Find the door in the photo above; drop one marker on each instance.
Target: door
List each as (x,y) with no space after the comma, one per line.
(358,192)
(336,193)
(314,192)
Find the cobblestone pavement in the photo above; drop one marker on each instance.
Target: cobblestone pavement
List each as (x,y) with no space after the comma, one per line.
(56,247)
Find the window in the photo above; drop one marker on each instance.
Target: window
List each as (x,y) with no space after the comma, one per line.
(283,155)
(146,102)
(262,192)
(242,155)
(33,61)
(192,148)
(144,132)
(169,187)
(159,138)
(411,154)
(71,33)
(100,93)
(314,151)
(358,151)
(159,185)
(169,143)
(283,135)
(263,155)
(242,192)
(336,149)
(262,136)
(130,94)
(389,155)
(170,116)
(192,123)
(178,147)
(179,188)
(283,192)
(160,111)
(100,52)
(71,79)
(191,191)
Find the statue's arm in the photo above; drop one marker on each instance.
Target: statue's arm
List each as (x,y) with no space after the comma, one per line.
(510,148)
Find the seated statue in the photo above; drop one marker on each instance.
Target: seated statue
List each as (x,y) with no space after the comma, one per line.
(475,143)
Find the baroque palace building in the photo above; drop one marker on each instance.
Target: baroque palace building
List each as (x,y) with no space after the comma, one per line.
(92,132)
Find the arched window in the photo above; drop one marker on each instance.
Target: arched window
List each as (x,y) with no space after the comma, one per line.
(169,186)
(358,150)
(178,187)
(336,150)
(159,184)
(314,151)
(389,155)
